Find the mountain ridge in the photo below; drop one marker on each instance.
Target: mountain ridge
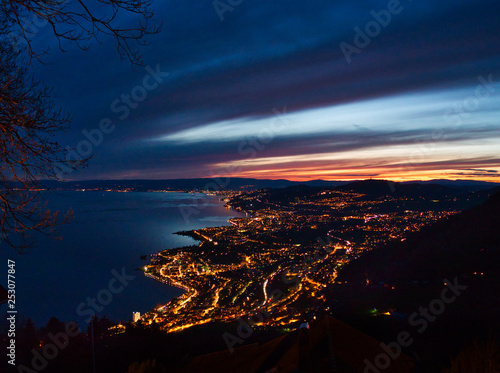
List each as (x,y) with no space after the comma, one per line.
(237,183)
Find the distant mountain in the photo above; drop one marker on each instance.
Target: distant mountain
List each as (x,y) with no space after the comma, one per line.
(211,184)
(324,183)
(380,188)
(427,195)
(476,184)
(236,183)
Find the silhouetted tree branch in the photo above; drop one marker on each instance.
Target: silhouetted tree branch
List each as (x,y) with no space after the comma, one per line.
(81,22)
(28,152)
(29,119)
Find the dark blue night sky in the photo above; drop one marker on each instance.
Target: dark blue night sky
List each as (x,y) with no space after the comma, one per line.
(264,89)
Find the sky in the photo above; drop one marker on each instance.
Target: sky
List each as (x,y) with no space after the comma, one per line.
(334,90)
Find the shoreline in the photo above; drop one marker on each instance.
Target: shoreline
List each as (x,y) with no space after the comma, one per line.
(191,233)
(199,238)
(167,282)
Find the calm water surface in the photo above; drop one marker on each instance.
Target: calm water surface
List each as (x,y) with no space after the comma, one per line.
(110,231)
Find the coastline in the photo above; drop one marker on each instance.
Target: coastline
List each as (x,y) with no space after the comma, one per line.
(191,233)
(195,235)
(165,281)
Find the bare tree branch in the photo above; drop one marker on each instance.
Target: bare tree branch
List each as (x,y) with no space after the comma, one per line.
(28,152)
(29,119)
(81,22)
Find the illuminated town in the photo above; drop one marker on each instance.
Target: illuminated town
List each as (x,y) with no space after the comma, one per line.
(275,265)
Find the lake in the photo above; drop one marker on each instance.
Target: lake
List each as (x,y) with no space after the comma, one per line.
(109,233)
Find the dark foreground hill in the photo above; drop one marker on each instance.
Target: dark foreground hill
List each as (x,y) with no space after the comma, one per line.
(327,345)
(441,284)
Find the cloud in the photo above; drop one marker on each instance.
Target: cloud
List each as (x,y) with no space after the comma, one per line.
(481,170)
(227,77)
(474,174)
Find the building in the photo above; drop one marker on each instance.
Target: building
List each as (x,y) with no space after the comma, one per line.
(136,316)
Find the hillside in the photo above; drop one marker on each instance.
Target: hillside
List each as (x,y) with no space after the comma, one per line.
(404,279)
(465,243)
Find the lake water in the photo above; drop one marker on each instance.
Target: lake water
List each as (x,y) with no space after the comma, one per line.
(109,232)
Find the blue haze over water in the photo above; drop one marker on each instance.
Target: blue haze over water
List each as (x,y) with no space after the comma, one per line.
(110,231)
